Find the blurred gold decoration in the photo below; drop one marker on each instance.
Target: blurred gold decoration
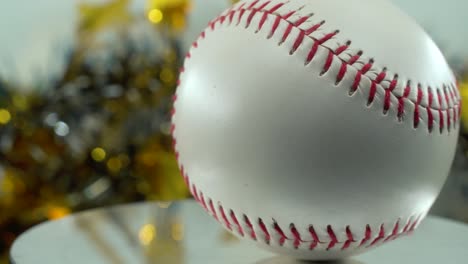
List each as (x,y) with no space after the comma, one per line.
(169,12)
(235,1)
(147,234)
(96,17)
(464,95)
(99,135)
(162,236)
(5,116)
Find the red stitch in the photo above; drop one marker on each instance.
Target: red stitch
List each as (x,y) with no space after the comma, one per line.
(241,14)
(355,58)
(401,101)
(394,233)
(297,236)
(312,52)
(350,237)
(172,130)
(300,21)
(281,233)
(226,220)
(194,193)
(380,237)
(287,32)
(173,112)
(455,117)
(174,142)
(262,21)
(263,6)
(186,179)
(249,224)
(314,28)
(328,63)
(288,15)
(274,8)
(449,121)
(367,235)
(327,37)
(240,7)
(441,120)
(222,19)
(357,81)
(231,16)
(405,229)
(387,100)
(212,209)
(212,25)
(275,26)
(441,114)
(253,4)
(452,95)
(174,98)
(183,174)
(342,72)
(341,49)
(239,227)
(415,223)
(393,83)
(182,70)
(315,238)
(203,34)
(332,236)
(372,92)
(188,55)
(177,154)
(444,91)
(416,107)
(366,67)
(298,42)
(202,200)
(430,116)
(439,97)
(265,231)
(380,77)
(249,19)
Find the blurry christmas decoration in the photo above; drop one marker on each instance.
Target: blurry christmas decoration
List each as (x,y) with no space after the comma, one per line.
(99,133)
(464,95)
(168,12)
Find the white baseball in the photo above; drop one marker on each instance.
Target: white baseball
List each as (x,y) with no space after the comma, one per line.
(317,129)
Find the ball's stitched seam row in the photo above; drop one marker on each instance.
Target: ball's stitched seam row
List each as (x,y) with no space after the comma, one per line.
(231,220)
(296,238)
(448,93)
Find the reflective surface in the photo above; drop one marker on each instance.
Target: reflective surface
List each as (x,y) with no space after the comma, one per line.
(182,233)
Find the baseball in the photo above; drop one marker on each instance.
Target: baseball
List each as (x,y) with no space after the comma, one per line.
(316,129)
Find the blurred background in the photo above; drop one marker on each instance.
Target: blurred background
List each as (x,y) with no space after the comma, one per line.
(85,97)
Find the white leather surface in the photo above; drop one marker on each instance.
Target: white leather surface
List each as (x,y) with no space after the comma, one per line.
(264,135)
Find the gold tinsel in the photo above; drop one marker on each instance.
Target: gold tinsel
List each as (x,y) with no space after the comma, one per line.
(464,95)
(101,134)
(168,12)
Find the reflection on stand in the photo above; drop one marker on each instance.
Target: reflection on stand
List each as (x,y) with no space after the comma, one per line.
(158,240)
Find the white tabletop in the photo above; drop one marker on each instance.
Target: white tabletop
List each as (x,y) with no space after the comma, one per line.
(182,233)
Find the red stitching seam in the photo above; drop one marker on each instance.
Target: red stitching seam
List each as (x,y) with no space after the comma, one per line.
(451,98)
(259,228)
(231,222)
